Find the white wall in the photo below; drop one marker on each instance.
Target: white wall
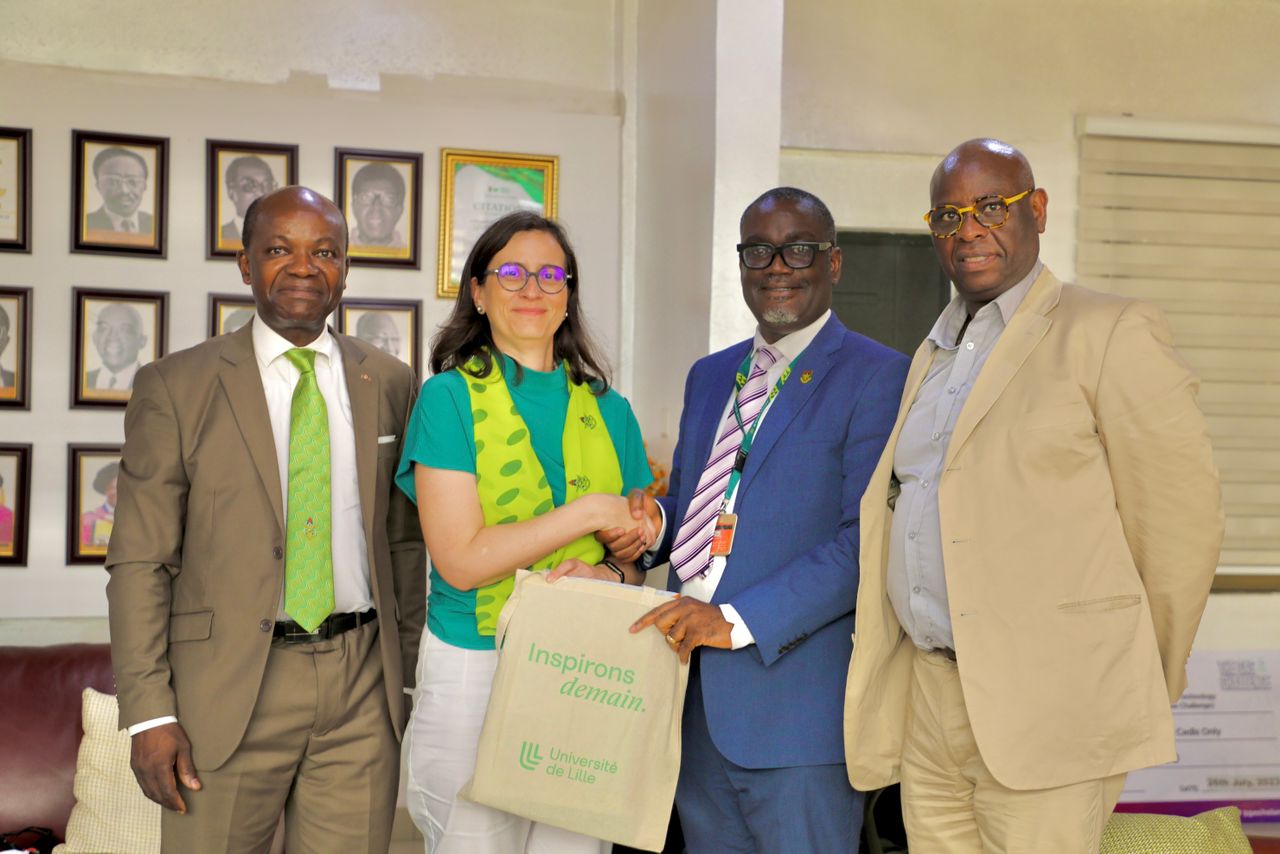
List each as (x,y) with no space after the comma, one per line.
(563,103)
(915,77)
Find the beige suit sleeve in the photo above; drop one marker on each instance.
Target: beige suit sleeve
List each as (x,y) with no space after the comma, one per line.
(1166,483)
(145,550)
(408,559)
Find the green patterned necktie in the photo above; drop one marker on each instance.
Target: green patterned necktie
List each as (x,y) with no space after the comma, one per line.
(308,562)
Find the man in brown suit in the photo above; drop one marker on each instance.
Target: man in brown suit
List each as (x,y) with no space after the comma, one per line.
(222,691)
(1038,541)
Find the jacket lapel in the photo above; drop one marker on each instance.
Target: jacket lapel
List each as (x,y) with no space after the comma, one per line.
(793,396)
(362,388)
(242,382)
(1026,329)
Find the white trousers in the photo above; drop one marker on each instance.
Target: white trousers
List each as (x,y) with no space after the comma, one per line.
(444,734)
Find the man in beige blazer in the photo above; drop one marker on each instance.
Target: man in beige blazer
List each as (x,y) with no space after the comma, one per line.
(1038,542)
(255,713)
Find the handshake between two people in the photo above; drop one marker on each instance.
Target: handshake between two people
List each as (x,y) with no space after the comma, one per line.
(626,527)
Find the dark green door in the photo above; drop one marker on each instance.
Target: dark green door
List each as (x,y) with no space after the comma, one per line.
(891,287)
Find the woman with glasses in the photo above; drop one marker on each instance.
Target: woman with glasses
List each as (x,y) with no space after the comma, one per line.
(517,453)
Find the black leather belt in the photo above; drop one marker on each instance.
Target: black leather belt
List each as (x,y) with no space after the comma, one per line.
(333,625)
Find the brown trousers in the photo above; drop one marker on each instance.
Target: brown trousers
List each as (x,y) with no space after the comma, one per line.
(319,748)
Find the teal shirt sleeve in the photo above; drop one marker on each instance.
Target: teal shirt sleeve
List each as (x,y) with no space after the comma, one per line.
(441,434)
(624,431)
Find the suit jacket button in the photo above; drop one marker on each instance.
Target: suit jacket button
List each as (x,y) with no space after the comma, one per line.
(277,552)
(265,626)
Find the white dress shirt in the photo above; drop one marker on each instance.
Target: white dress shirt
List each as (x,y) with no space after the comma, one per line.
(703,587)
(351,591)
(121,380)
(122,223)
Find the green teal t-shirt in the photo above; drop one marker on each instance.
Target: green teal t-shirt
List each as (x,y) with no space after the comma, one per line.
(441,435)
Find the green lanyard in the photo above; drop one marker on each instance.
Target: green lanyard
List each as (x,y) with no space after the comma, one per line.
(748,433)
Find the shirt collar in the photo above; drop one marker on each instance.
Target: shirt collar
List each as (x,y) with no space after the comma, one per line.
(269,345)
(117,220)
(793,344)
(947,327)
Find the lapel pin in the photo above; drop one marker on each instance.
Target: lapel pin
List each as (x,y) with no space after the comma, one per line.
(806,376)
(366,378)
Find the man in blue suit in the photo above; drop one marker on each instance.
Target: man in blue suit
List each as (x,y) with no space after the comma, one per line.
(778,438)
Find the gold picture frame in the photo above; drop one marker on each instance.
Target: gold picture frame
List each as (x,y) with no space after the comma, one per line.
(478,188)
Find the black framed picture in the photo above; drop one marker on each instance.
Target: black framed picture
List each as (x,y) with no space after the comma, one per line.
(228,312)
(115,334)
(380,193)
(15,503)
(15,189)
(15,348)
(238,173)
(92,471)
(119,193)
(393,326)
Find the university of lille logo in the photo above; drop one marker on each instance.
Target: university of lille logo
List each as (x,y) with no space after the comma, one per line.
(530,756)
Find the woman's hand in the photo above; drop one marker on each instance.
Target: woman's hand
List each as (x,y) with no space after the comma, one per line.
(629,541)
(574,568)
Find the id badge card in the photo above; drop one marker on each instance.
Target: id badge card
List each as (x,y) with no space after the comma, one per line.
(722,539)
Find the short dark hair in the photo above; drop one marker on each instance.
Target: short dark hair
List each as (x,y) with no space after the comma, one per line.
(116,151)
(466,333)
(246,160)
(105,476)
(378,171)
(798,197)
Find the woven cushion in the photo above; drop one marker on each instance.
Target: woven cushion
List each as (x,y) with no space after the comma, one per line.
(111,813)
(1213,832)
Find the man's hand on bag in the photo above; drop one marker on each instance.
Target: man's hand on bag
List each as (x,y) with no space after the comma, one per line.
(156,755)
(687,625)
(628,544)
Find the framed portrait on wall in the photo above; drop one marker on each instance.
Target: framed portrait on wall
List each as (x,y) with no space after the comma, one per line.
(114,334)
(15,503)
(15,189)
(228,312)
(238,173)
(15,348)
(380,194)
(91,500)
(119,192)
(477,188)
(393,326)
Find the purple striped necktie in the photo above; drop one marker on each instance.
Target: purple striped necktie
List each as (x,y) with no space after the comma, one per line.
(691,553)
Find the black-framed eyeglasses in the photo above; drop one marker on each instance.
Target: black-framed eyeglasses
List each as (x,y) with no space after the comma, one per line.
(991,211)
(797,256)
(513,276)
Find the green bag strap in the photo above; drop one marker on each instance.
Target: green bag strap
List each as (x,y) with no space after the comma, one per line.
(512,484)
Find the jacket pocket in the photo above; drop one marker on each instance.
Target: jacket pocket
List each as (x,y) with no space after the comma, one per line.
(1105,603)
(190,626)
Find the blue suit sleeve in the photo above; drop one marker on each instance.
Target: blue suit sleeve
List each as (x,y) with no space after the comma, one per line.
(821,585)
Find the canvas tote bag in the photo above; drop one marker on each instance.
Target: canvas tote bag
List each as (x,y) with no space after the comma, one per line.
(583,725)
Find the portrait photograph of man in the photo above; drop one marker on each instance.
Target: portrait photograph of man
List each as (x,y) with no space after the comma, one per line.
(120,203)
(392,326)
(15,189)
(238,173)
(93,471)
(15,494)
(378,193)
(116,334)
(15,347)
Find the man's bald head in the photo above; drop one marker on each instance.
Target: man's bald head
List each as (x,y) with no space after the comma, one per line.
(985,261)
(290,198)
(994,154)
